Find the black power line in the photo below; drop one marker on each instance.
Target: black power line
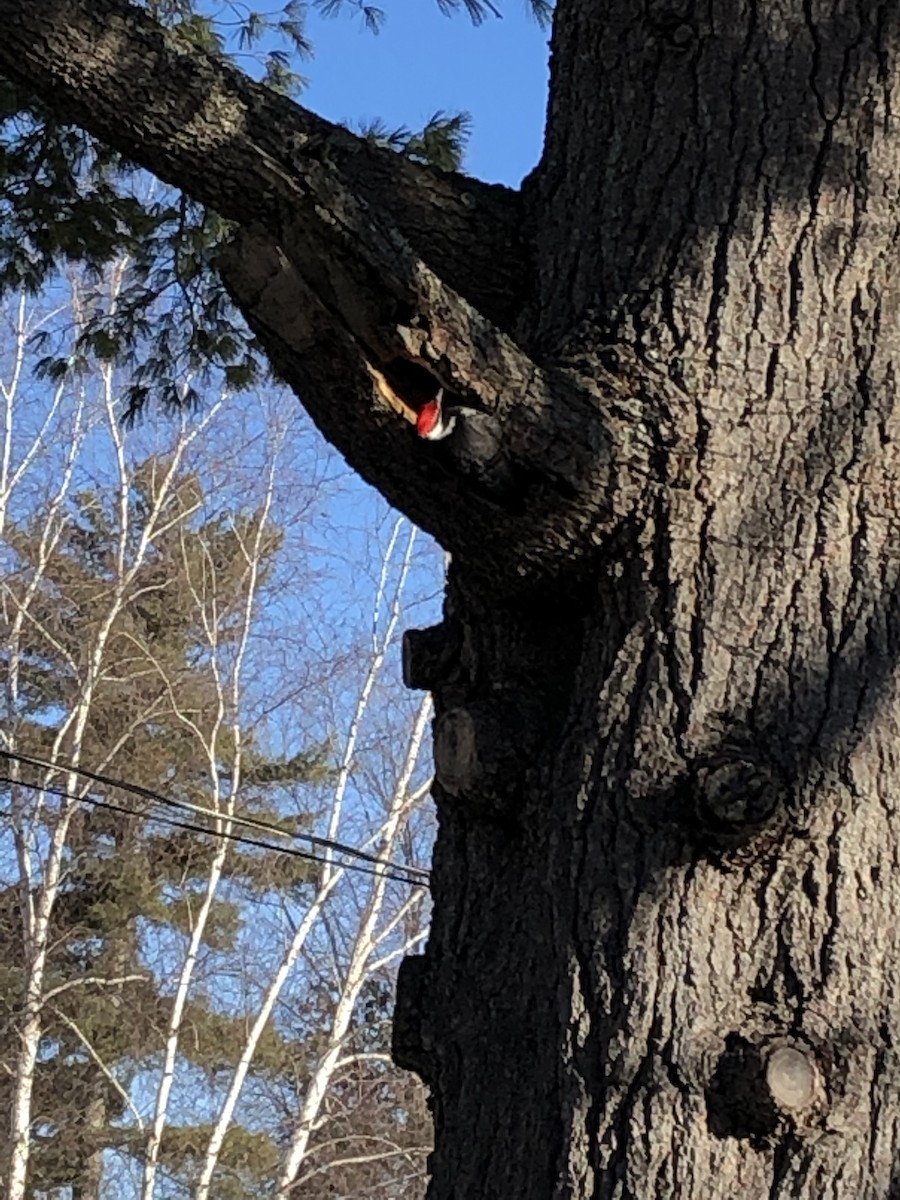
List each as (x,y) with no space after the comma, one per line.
(370,864)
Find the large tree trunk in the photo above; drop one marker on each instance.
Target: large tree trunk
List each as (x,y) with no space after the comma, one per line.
(663,958)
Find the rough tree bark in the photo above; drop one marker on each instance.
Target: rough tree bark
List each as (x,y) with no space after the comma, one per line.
(664,957)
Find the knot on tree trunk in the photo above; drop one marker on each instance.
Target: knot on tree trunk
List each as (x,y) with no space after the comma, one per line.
(482,750)
(735,794)
(757,1091)
(432,658)
(408,1046)
(792,1077)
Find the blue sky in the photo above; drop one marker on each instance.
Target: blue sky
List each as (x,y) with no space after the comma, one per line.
(423,61)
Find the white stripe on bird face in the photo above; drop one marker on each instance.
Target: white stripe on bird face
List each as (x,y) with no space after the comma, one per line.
(441,428)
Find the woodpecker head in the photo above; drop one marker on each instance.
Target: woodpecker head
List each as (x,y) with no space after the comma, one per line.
(432,422)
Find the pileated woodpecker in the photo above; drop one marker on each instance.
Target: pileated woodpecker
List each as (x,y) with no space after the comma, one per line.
(432,422)
(477,447)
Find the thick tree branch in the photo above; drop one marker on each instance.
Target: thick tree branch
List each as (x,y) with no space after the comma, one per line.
(584,452)
(200,124)
(370,282)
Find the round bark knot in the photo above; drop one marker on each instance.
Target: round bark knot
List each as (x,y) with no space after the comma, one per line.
(682,36)
(792,1077)
(760,1089)
(736,793)
(455,752)
(671,19)
(482,749)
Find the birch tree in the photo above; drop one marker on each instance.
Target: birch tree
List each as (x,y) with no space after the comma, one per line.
(40,830)
(170,568)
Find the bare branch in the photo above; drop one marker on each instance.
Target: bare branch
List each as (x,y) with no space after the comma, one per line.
(107,1074)
(98,980)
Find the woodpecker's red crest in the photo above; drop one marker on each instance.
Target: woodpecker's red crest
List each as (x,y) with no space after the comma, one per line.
(432,423)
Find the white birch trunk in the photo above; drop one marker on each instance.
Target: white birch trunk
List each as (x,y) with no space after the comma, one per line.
(229,709)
